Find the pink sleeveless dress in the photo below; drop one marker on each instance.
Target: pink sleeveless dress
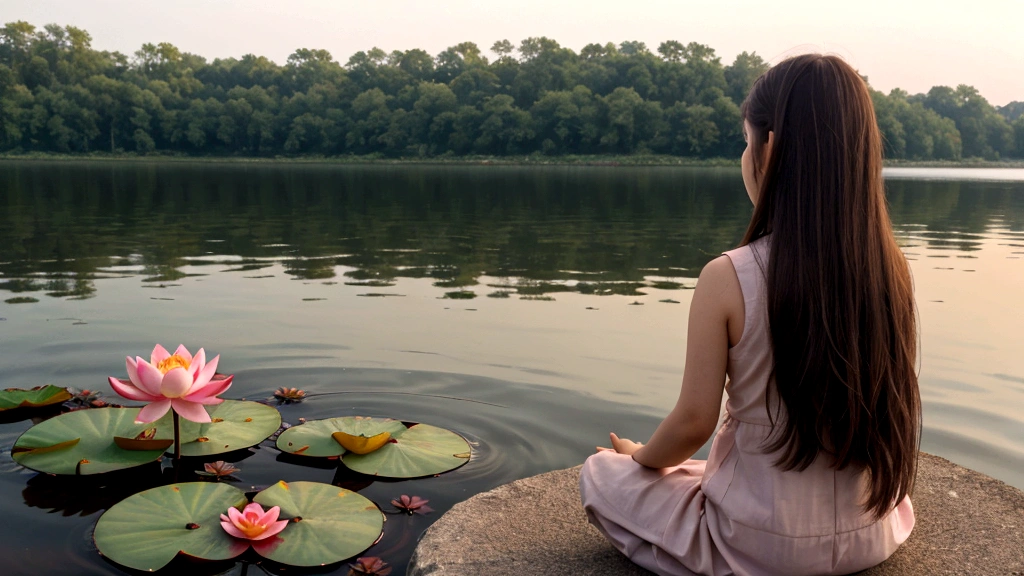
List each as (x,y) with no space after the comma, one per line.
(737,513)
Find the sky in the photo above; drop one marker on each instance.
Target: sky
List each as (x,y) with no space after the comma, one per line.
(910,44)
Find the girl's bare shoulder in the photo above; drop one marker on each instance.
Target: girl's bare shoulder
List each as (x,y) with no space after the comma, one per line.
(719,288)
(719,276)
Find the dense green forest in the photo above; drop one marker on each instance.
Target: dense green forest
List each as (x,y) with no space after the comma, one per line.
(57,94)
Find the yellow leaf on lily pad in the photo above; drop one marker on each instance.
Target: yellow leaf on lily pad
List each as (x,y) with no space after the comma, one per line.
(361,444)
(46,449)
(142,443)
(414,450)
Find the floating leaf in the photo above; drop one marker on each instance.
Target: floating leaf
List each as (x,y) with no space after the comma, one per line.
(414,451)
(236,424)
(420,450)
(329,524)
(315,438)
(33,398)
(147,530)
(94,453)
(110,437)
(361,444)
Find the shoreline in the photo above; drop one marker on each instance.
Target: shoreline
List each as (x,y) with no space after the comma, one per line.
(966,524)
(532,160)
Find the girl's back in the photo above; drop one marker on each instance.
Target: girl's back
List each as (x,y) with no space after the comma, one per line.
(809,327)
(739,513)
(813,519)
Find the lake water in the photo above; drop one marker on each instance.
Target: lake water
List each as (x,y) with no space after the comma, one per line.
(530,309)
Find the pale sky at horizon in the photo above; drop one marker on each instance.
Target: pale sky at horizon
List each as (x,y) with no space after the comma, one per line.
(912,45)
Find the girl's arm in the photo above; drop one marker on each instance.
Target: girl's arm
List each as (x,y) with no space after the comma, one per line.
(717,305)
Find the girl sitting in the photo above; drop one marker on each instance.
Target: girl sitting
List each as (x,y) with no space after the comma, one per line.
(809,326)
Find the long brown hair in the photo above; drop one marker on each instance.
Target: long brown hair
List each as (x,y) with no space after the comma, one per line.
(839,293)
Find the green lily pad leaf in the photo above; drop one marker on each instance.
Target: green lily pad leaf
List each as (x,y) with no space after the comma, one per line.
(147,530)
(315,438)
(236,424)
(329,524)
(414,451)
(108,437)
(95,451)
(420,450)
(40,396)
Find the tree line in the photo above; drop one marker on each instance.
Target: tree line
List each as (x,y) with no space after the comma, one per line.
(58,94)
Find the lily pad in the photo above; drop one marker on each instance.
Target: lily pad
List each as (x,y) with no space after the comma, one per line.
(315,438)
(33,398)
(147,530)
(236,425)
(93,450)
(329,524)
(413,451)
(420,450)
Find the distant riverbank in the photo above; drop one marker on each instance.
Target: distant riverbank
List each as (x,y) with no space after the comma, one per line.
(528,160)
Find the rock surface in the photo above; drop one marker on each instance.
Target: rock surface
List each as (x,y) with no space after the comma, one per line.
(967,523)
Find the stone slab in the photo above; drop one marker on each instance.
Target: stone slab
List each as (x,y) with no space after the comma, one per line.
(967,523)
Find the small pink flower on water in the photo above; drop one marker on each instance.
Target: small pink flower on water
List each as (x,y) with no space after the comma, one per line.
(252,523)
(179,381)
(412,504)
(218,469)
(369,565)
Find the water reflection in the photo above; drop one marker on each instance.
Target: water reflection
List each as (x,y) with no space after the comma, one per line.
(594,231)
(534,231)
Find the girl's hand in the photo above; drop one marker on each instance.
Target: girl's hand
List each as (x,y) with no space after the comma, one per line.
(622,445)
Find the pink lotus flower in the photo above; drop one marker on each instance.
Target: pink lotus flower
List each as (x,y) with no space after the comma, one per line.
(253,523)
(180,381)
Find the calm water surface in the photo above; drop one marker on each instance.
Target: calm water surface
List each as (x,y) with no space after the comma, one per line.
(529,309)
